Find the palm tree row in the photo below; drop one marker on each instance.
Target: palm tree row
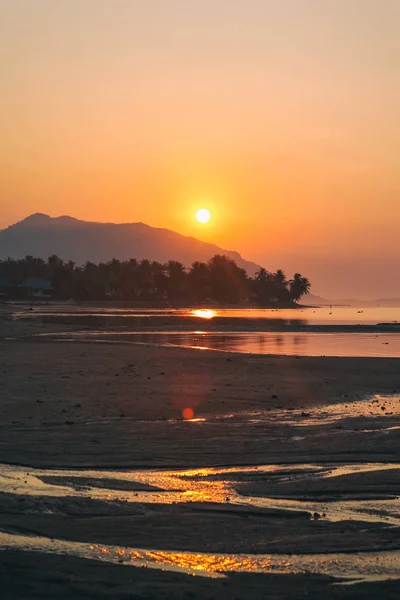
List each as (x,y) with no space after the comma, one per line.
(268,286)
(219,280)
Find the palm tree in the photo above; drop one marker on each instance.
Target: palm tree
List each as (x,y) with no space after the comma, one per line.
(279,287)
(229,283)
(220,280)
(160,280)
(32,267)
(299,286)
(145,283)
(199,281)
(280,277)
(128,288)
(176,279)
(55,261)
(262,275)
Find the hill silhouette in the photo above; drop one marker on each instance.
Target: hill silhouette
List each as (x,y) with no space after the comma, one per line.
(81,241)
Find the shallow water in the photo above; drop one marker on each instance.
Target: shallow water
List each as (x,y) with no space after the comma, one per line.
(335,315)
(293,344)
(207,485)
(211,488)
(353,568)
(198,485)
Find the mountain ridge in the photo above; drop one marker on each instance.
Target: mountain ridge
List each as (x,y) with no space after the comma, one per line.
(82,241)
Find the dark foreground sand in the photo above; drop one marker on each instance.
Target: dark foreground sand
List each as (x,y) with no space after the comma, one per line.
(118,406)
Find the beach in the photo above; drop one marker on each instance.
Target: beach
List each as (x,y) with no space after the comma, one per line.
(199,300)
(257,445)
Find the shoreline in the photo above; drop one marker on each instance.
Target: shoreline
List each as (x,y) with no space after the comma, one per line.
(152,305)
(276,320)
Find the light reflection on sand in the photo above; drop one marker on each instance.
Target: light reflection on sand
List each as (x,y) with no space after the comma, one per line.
(376,407)
(202,486)
(205,486)
(360,567)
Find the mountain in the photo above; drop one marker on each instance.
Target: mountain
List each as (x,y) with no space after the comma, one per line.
(314,300)
(320,301)
(80,241)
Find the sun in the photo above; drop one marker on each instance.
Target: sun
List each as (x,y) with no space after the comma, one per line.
(203,215)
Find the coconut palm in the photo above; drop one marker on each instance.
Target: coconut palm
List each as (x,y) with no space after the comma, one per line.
(176,280)
(199,281)
(262,275)
(220,280)
(299,286)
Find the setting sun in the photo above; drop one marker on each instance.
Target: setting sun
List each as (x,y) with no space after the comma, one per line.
(203,215)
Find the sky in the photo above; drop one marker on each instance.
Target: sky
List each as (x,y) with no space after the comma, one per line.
(280,116)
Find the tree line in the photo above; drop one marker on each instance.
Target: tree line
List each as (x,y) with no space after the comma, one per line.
(219,280)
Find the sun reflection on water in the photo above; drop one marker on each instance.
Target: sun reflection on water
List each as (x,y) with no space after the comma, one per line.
(210,489)
(362,567)
(348,567)
(204,313)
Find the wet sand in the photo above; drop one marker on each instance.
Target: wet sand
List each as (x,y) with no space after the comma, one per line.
(31,576)
(85,404)
(105,407)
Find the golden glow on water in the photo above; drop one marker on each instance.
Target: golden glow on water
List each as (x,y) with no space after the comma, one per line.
(360,566)
(209,485)
(188,562)
(204,313)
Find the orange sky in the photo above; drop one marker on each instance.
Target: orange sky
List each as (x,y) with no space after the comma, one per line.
(281,116)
